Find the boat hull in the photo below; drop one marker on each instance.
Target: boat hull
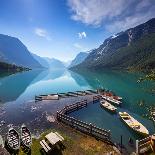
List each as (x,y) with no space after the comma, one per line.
(111,111)
(146,133)
(13,139)
(26,138)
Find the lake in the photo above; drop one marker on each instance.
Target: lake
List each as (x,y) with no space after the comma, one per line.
(17,94)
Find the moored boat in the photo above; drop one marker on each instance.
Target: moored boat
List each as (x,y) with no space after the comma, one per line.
(26,138)
(133,123)
(1,142)
(111,99)
(105,104)
(13,139)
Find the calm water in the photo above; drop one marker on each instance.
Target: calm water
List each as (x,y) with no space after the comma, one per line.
(17,89)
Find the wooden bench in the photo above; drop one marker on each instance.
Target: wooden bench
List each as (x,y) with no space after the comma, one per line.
(45,146)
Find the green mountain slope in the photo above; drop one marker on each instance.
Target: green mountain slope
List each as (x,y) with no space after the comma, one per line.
(138,55)
(131,49)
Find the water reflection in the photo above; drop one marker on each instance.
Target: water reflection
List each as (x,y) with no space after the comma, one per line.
(12,86)
(124,84)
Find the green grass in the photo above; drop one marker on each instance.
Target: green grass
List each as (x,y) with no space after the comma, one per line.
(75,143)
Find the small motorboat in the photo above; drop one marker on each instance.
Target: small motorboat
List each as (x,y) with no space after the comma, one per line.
(26,138)
(133,124)
(111,99)
(105,104)
(13,139)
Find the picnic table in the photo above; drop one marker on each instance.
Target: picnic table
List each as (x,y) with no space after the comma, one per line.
(53,138)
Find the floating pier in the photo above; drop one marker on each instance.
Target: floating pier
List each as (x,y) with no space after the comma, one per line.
(57,96)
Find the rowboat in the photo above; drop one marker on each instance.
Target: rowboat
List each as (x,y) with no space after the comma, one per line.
(26,138)
(133,124)
(13,139)
(108,106)
(111,99)
(1,142)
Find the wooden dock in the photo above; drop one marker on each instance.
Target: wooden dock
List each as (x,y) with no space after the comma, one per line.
(82,126)
(64,95)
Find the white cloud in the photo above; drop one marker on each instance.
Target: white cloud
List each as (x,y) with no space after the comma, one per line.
(79,47)
(42,33)
(82,35)
(130,21)
(114,15)
(94,12)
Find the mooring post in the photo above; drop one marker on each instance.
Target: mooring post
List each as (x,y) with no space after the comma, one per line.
(121,143)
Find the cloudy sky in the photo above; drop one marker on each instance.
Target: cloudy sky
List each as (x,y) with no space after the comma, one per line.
(62,28)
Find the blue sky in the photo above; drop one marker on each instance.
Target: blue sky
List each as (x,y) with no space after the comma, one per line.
(63,28)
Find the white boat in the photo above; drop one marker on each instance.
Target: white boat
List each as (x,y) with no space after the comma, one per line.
(133,123)
(50,97)
(13,139)
(111,99)
(1,142)
(26,138)
(105,104)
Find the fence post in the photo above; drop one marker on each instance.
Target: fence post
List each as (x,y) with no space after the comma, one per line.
(90,128)
(57,115)
(66,109)
(137,147)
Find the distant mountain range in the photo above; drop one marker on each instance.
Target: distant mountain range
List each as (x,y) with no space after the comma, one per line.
(41,60)
(14,53)
(78,59)
(51,63)
(131,49)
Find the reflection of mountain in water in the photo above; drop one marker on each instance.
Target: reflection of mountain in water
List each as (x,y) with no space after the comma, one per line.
(49,74)
(11,87)
(79,79)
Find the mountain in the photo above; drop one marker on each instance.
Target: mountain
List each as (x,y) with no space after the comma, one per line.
(131,49)
(78,59)
(51,63)
(41,60)
(55,63)
(13,51)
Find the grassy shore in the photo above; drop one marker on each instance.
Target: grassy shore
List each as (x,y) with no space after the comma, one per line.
(75,143)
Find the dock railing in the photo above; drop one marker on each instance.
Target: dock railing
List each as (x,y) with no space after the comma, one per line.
(143,145)
(82,126)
